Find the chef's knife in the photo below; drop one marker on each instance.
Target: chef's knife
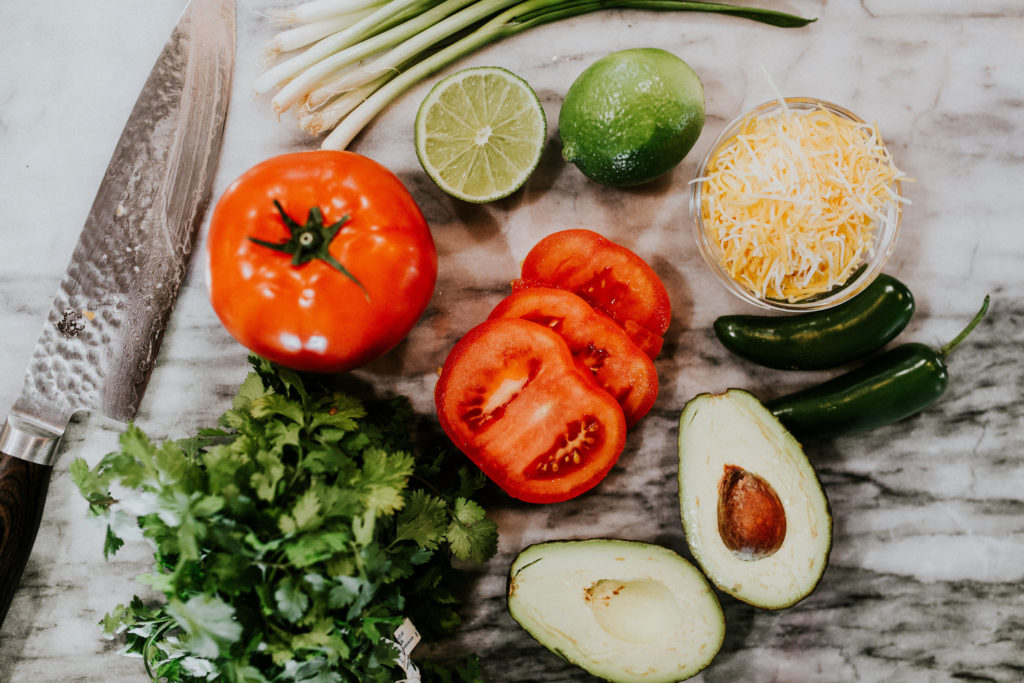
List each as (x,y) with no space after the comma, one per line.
(100,341)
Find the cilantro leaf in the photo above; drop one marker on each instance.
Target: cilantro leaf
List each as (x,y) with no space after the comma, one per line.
(311,549)
(209,622)
(111,543)
(472,536)
(383,479)
(305,514)
(91,484)
(265,481)
(275,405)
(424,520)
(291,541)
(292,602)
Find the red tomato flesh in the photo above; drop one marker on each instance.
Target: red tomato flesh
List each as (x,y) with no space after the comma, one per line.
(608,276)
(597,344)
(512,398)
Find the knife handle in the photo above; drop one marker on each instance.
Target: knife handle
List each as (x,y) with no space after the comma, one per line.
(23,486)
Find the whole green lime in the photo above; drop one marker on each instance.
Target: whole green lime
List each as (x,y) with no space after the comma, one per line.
(631,116)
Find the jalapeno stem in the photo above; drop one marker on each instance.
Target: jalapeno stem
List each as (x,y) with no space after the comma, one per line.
(948,348)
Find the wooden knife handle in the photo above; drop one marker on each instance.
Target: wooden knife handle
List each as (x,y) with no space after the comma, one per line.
(23,486)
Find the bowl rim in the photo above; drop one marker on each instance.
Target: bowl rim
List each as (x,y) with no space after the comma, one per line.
(868,270)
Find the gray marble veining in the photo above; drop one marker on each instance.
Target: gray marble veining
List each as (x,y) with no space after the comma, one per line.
(926,570)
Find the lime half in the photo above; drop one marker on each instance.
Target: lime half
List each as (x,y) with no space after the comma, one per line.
(480,132)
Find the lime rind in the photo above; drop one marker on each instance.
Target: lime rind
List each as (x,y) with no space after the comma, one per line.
(631,116)
(480,133)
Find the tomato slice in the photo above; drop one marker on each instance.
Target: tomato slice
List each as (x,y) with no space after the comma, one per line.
(511,398)
(647,341)
(597,344)
(608,276)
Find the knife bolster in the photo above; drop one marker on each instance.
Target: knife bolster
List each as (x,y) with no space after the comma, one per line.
(22,439)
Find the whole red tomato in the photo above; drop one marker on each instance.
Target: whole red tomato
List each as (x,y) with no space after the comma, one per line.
(319,261)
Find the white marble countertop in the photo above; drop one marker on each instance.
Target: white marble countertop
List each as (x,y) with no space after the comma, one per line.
(926,570)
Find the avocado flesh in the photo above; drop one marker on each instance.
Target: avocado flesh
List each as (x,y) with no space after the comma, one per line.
(623,611)
(718,432)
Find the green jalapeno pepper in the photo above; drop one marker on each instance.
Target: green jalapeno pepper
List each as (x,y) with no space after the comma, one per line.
(890,387)
(822,339)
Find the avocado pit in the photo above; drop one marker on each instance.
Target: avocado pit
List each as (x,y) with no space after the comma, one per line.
(751,518)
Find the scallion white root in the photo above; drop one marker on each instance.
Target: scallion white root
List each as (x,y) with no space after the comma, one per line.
(339,80)
(315,10)
(324,74)
(378,21)
(322,118)
(304,34)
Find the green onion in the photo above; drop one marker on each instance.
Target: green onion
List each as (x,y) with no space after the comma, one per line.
(306,33)
(354,57)
(323,9)
(379,20)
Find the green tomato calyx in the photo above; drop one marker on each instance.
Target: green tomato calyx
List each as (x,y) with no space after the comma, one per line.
(310,240)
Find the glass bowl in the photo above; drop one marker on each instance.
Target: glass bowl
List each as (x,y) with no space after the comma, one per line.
(872,261)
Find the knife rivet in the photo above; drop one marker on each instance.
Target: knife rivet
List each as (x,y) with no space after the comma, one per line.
(71,324)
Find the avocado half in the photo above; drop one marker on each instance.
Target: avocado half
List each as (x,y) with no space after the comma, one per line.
(755,515)
(623,611)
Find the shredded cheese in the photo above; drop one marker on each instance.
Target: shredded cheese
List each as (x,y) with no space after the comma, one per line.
(795,198)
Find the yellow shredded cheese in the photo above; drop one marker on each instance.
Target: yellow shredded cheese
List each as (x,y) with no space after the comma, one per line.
(794,200)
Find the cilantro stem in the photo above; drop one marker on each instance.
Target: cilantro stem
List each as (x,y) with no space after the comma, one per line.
(428,485)
(262,555)
(151,640)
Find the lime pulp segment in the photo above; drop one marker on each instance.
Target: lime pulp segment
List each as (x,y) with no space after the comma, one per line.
(480,133)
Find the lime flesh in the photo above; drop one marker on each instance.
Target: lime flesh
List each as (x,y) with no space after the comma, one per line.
(631,116)
(480,133)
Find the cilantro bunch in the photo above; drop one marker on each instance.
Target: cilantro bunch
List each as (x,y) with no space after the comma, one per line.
(291,542)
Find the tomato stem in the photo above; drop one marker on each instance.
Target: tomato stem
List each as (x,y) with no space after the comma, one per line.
(310,240)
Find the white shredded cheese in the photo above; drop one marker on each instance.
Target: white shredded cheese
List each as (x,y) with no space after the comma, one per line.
(794,200)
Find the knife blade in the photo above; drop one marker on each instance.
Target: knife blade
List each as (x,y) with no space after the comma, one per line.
(100,340)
